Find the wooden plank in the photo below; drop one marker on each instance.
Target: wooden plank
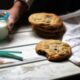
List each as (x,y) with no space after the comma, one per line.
(21,39)
(28,52)
(25,28)
(39,71)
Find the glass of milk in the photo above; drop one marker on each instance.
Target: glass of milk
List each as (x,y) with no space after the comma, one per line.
(3,24)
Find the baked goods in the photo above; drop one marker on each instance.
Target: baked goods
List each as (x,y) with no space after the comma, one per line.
(54,50)
(47,25)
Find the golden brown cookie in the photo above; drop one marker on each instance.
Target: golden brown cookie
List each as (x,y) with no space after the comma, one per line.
(47,23)
(45,19)
(49,35)
(54,50)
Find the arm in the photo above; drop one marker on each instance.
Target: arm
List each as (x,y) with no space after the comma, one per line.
(17,10)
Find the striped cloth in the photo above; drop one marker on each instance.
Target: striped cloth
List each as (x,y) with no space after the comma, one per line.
(72,35)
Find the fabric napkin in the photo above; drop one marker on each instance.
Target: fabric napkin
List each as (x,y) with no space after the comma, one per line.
(72,35)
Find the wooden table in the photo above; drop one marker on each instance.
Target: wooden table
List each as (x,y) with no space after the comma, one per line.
(34,67)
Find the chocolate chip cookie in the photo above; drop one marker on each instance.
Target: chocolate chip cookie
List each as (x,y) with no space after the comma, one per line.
(47,25)
(54,50)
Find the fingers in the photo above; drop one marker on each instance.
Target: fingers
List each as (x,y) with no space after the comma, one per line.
(11,23)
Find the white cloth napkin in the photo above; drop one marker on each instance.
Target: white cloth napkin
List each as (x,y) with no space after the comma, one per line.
(72,34)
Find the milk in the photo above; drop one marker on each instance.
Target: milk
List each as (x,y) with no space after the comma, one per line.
(3,29)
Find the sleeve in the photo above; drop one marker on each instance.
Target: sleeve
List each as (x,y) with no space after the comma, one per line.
(28,2)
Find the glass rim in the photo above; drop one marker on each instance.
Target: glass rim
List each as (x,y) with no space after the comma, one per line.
(4,15)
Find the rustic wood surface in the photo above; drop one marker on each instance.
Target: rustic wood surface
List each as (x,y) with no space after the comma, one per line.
(25,40)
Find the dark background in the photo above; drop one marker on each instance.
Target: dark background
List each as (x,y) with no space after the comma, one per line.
(58,7)
(6,4)
(55,6)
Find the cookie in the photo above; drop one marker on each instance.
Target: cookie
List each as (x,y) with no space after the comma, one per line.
(47,23)
(54,50)
(49,35)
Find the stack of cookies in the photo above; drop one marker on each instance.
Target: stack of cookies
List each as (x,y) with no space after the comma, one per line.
(47,25)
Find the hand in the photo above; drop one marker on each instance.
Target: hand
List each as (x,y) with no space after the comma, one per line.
(13,18)
(11,22)
(15,12)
